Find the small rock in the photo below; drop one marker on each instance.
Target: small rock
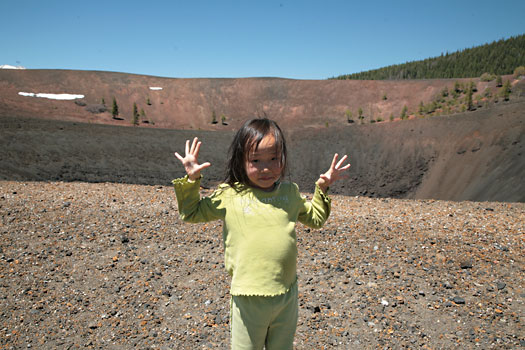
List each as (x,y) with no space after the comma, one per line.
(501,285)
(458,300)
(447,285)
(466,264)
(92,325)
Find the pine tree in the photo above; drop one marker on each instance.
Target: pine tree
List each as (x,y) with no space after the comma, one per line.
(499,58)
(404,112)
(143,116)
(499,81)
(135,120)
(348,114)
(470,105)
(506,90)
(114,110)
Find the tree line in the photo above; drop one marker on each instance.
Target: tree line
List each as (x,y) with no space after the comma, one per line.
(499,58)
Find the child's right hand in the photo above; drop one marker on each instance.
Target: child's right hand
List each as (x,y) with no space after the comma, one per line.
(191,165)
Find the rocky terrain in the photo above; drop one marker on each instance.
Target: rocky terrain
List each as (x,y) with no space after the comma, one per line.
(111,266)
(423,250)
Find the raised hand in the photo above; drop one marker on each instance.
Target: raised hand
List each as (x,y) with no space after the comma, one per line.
(190,160)
(333,174)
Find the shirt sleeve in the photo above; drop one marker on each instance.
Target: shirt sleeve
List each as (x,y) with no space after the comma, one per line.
(194,209)
(315,212)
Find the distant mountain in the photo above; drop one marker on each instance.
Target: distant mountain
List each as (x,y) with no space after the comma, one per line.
(500,58)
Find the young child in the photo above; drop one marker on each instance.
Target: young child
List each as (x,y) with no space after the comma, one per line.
(259,211)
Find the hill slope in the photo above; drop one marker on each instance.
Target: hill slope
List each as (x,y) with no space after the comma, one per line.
(475,156)
(500,57)
(190,103)
(471,156)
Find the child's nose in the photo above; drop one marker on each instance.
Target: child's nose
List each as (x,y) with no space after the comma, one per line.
(265,166)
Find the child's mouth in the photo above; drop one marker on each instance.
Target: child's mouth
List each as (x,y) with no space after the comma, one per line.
(266,178)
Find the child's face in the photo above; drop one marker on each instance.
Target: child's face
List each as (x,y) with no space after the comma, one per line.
(263,166)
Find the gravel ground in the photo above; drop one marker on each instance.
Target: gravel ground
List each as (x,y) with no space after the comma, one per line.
(107,266)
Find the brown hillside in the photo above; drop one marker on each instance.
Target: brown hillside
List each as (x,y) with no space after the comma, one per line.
(190,103)
(470,156)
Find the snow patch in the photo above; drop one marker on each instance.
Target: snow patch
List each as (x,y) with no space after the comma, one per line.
(52,96)
(155,88)
(8,66)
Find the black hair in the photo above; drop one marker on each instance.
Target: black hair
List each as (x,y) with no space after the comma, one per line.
(248,136)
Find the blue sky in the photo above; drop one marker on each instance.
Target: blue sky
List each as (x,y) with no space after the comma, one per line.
(233,39)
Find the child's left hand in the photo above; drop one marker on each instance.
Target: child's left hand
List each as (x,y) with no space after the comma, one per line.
(333,174)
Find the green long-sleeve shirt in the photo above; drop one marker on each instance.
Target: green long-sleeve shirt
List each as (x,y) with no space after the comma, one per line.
(260,244)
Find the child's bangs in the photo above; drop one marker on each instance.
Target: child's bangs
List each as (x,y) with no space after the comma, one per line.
(257,136)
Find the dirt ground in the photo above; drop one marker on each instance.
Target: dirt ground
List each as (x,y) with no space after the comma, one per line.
(423,250)
(473,156)
(111,266)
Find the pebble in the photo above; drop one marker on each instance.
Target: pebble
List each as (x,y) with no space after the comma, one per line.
(458,300)
(112,266)
(467,264)
(501,285)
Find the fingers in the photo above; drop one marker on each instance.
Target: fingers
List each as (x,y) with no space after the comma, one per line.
(194,145)
(203,166)
(197,148)
(332,166)
(337,165)
(341,161)
(179,157)
(187,149)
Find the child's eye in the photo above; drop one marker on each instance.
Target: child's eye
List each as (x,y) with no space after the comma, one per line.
(255,160)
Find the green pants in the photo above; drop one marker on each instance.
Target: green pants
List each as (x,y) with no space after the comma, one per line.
(264,321)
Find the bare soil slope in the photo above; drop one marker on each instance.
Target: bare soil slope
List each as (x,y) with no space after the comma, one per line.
(470,156)
(476,156)
(190,103)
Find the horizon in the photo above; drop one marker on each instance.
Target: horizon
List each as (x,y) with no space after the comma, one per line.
(303,40)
